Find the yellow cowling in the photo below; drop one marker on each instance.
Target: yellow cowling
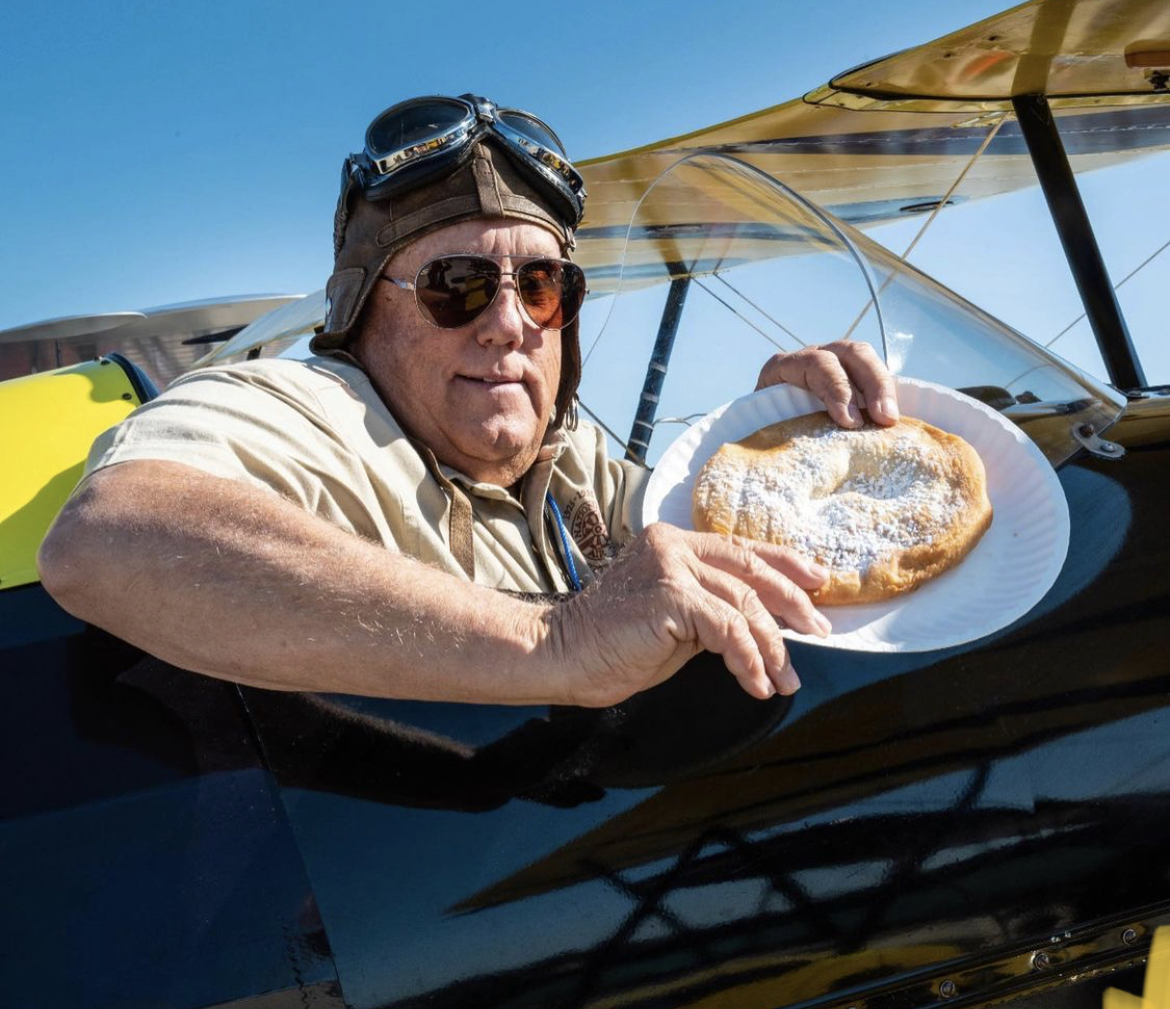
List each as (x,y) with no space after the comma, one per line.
(49,422)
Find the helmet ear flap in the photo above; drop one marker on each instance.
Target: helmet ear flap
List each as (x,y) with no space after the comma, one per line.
(341,214)
(565,415)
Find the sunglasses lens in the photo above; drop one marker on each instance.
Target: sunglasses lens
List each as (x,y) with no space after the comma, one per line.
(552,291)
(413,123)
(456,289)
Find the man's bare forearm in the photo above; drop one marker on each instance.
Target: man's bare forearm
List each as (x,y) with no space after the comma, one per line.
(229,580)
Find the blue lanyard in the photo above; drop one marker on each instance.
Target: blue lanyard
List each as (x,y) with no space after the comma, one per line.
(568,554)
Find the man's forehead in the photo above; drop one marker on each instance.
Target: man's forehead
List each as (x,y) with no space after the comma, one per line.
(497,236)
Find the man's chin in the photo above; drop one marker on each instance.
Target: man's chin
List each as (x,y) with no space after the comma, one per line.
(505,450)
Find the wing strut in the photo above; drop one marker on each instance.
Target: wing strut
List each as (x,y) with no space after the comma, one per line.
(1076,235)
(643,429)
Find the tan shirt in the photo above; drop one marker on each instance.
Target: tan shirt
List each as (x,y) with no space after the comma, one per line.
(317,433)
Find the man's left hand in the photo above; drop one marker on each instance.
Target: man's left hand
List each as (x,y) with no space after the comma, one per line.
(847,376)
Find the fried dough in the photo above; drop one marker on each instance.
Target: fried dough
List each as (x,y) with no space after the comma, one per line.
(885,509)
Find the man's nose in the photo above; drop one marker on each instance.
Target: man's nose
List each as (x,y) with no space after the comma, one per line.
(504,321)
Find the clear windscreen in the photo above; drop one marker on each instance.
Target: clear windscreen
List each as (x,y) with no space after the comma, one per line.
(760,269)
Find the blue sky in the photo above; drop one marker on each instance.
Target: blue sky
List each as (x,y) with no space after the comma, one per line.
(156,153)
(159,152)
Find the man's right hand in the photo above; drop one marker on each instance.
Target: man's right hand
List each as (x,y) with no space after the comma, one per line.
(672,593)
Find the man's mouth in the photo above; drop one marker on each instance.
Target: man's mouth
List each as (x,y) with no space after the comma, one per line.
(492,380)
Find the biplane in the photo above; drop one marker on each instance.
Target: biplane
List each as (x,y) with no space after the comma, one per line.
(974,824)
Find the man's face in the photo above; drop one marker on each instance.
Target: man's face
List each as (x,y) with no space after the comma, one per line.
(479,397)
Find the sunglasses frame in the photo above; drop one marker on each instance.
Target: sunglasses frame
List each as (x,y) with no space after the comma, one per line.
(408,285)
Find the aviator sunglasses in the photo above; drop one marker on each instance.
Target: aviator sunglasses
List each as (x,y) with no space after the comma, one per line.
(455,290)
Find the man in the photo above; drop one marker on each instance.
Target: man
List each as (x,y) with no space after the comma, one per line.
(345,524)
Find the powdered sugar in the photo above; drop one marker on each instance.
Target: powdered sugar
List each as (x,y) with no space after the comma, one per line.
(846,522)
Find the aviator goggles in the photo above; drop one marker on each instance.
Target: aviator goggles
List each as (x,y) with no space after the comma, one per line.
(424,138)
(453,291)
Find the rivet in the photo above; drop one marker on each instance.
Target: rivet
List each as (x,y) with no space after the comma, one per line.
(127,395)
(1040,960)
(1086,430)
(1129,936)
(948,989)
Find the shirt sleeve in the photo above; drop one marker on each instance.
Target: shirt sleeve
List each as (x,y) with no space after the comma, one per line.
(238,426)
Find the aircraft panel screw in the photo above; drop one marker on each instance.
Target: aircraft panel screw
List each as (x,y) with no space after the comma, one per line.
(948,989)
(1129,936)
(1040,960)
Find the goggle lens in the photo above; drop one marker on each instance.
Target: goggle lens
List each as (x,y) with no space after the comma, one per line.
(412,123)
(454,291)
(532,128)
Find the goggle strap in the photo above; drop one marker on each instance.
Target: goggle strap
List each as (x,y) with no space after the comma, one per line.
(341,214)
(543,179)
(490,197)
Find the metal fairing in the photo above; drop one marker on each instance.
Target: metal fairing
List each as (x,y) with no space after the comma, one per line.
(146,859)
(977,824)
(909,825)
(985,821)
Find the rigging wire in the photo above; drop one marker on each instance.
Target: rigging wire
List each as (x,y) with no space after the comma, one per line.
(739,315)
(600,331)
(687,419)
(1116,287)
(606,428)
(930,220)
(775,322)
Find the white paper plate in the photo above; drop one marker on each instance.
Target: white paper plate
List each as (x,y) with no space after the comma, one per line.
(1006,574)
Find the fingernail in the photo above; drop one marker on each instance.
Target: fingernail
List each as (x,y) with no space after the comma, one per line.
(855,415)
(823,625)
(817,571)
(792,684)
(889,407)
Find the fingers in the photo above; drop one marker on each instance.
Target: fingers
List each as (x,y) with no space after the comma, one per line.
(778,575)
(847,376)
(870,377)
(820,372)
(736,624)
(702,590)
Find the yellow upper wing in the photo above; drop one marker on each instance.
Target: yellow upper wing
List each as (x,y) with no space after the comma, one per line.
(888,139)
